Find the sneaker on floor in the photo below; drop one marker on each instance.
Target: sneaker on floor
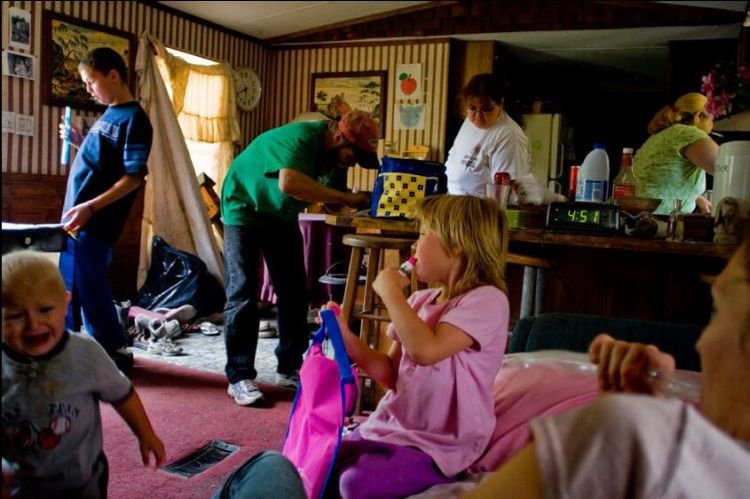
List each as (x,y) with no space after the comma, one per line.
(163,347)
(142,323)
(268,333)
(172,329)
(245,392)
(267,330)
(123,359)
(209,329)
(288,380)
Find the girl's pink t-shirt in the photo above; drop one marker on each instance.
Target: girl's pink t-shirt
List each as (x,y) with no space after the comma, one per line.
(447,409)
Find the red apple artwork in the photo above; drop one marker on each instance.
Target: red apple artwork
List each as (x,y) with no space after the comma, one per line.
(408,84)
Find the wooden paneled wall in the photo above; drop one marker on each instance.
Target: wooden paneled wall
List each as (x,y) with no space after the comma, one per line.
(40,154)
(33,179)
(291,83)
(284,72)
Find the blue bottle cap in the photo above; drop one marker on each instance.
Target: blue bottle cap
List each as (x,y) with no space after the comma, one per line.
(599,145)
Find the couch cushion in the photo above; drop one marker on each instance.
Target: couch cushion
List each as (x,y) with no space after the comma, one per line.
(523,393)
(575,332)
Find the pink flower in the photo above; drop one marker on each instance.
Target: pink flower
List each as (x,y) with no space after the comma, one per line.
(727,89)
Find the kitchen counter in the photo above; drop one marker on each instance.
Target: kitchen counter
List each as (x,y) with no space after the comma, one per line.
(622,242)
(616,276)
(544,237)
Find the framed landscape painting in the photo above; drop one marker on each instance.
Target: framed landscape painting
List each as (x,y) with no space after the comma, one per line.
(65,41)
(333,94)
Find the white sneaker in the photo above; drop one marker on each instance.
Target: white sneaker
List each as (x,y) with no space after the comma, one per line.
(163,347)
(172,329)
(288,380)
(266,329)
(245,392)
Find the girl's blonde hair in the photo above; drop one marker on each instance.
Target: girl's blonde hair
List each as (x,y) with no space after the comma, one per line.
(682,111)
(28,273)
(477,228)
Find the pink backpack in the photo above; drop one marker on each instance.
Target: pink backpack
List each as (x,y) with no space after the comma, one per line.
(327,393)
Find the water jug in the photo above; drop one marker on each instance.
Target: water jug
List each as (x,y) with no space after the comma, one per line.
(593,178)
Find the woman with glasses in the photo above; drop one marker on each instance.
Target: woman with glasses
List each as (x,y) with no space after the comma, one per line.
(673,162)
(488,142)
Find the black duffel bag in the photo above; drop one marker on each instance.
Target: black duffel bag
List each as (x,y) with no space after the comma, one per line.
(177,278)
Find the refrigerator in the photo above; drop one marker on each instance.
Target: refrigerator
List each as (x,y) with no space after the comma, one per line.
(547,135)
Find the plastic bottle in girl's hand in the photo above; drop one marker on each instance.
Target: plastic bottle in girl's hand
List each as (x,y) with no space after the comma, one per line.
(593,178)
(407,267)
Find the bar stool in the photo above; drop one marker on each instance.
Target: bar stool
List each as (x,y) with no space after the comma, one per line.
(532,290)
(372,311)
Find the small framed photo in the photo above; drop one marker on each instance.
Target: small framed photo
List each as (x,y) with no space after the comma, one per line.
(20,28)
(19,65)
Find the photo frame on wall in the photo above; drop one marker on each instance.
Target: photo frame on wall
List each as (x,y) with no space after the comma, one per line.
(19,28)
(333,94)
(19,65)
(65,41)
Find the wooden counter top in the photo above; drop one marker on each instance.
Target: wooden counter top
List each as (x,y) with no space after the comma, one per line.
(544,237)
(687,248)
(366,222)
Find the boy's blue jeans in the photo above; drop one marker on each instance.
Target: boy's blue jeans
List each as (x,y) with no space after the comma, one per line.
(84,266)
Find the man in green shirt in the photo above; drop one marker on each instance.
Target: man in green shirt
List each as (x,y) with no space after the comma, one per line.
(277,176)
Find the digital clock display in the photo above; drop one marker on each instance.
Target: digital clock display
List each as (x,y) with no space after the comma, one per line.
(580,216)
(583,217)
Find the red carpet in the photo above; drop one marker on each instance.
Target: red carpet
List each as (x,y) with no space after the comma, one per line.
(188,408)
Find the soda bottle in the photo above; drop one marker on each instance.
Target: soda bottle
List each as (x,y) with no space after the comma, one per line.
(625,184)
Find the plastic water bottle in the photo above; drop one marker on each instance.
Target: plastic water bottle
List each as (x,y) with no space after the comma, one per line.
(65,155)
(593,179)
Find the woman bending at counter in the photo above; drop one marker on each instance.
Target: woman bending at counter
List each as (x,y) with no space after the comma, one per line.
(673,162)
(488,142)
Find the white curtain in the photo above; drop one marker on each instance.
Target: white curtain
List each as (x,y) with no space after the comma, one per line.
(173,208)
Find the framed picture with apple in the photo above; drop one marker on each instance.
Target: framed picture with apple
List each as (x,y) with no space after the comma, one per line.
(334,94)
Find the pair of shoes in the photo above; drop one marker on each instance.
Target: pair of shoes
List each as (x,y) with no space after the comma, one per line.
(288,380)
(266,330)
(123,359)
(163,347)
(210,329)
(153,329)
(183,313)
(245,392)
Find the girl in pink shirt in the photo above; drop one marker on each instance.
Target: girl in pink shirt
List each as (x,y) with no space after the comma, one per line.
(438,415)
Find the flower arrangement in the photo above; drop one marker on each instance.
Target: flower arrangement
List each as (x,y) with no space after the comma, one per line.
(727,88)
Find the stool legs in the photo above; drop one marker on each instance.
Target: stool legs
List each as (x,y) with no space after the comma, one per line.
(528,292)
(532,291)
(352,281)
(539,291)
(369,330)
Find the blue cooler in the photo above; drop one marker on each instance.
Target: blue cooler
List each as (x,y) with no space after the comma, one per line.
(402,182)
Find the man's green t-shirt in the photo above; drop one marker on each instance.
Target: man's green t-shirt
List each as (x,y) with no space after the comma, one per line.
(251,186)
(663,173)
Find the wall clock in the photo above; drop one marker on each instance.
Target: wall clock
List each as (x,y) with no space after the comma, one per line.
(248,88)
